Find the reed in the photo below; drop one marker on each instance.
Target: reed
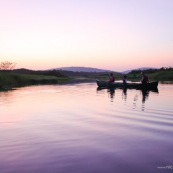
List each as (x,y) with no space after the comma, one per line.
(10,80)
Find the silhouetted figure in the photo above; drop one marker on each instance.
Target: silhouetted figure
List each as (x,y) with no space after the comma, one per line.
(144,78)
(124,80)
(111,78)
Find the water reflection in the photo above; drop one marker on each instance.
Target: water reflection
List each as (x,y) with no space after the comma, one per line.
(6,97)
(124,94)
(145,97)
(111,91)
(74,128)
(144,93)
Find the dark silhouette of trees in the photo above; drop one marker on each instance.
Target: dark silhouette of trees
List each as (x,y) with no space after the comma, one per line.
(150,71)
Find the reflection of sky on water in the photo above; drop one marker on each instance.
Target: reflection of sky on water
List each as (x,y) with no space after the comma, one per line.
(77,128)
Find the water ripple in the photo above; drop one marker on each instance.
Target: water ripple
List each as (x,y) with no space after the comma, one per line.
(77,128)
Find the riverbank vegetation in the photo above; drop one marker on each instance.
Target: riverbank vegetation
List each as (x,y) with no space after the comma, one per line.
(162,74)
(16,78)
(22,77)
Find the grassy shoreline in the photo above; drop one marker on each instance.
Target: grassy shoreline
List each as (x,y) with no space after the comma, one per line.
(13,79)
(10,80)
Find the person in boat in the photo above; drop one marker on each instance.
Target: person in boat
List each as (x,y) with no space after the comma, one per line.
(111,78)
(144,78)
(125,79)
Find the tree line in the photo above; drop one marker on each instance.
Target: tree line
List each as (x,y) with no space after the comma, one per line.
(150,71)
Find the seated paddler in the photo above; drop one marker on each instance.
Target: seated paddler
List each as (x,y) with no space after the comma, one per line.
(144,78)
(125,79)
(111,78)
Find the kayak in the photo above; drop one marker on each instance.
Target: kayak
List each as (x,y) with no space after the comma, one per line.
(148,86)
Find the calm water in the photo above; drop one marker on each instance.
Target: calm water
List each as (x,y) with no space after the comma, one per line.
(79,129)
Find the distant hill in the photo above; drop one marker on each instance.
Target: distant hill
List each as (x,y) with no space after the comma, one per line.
(82,69)
(142,68)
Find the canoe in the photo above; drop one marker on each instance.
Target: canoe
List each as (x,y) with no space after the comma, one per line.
(148,86)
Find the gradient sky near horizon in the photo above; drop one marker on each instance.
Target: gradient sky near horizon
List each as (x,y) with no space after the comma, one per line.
(108,34)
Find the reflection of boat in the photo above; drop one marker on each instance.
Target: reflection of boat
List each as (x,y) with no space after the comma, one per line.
(144,92)
(148,86)
(111,91)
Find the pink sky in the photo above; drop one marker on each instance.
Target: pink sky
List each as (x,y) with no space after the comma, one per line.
(108,34)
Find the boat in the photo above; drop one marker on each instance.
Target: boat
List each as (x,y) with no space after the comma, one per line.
(132,85)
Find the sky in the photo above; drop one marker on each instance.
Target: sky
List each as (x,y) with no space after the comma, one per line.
(108,34)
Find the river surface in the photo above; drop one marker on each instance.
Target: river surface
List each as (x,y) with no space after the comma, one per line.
(79,129)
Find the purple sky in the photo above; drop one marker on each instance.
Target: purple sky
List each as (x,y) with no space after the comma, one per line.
(109,34)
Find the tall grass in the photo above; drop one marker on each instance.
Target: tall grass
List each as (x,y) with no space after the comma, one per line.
(10,80)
